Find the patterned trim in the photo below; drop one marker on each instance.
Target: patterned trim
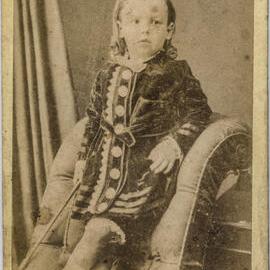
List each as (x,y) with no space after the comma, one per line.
(102,176)
(106,143)
(110,95)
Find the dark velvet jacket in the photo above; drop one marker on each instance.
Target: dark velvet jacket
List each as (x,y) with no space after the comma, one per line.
(129,114)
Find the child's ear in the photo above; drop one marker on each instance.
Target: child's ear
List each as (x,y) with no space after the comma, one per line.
(171,29)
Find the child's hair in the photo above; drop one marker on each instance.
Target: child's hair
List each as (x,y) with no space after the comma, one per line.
(118,45)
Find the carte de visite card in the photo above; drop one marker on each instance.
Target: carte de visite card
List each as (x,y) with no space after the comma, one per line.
(135,135)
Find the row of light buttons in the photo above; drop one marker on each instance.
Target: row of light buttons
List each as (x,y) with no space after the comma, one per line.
(119,128)
(110,193)
(115,174)
(123,91)
(127,75)
(120,110)
(116,150)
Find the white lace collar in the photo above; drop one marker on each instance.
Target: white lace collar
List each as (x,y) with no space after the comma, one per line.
(135,66)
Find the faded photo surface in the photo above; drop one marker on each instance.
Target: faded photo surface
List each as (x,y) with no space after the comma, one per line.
(132,135)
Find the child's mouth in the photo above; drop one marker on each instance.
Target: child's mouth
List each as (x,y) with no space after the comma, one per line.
(144,41)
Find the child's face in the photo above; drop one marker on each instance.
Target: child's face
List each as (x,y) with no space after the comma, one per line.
(144,26)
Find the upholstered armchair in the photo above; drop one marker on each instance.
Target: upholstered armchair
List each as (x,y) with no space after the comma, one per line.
(208,222)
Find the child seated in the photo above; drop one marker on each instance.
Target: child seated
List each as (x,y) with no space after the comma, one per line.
(132,146)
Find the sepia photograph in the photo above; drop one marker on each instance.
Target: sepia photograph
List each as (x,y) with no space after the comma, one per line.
(134,131)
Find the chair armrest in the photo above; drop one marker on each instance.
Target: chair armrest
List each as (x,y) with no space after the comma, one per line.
(170,237)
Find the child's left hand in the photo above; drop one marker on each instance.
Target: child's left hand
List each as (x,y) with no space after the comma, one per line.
(164,156)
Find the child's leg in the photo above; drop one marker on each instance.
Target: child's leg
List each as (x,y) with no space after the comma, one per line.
(99,232)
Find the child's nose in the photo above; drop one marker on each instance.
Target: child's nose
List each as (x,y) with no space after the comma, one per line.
(145,27)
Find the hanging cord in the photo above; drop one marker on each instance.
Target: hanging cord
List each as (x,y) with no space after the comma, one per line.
(33,251)
(65,250)
(65,240)
(78,176)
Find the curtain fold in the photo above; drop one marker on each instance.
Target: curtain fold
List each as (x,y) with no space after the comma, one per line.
(44,108)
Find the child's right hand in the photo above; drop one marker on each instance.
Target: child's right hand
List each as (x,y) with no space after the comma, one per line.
(164,155)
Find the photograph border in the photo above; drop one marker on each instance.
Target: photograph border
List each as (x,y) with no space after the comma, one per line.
(7,124)
(260,251)
(260,131)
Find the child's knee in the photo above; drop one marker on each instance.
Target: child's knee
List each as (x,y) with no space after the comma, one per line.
(103,229)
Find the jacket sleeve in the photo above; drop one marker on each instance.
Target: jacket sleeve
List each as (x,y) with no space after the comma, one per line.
(93,112)
(192,108)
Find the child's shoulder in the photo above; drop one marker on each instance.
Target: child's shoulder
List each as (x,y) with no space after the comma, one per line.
(177,68)
(178,64)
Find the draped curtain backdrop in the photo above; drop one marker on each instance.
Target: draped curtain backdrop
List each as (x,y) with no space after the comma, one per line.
(44,108)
